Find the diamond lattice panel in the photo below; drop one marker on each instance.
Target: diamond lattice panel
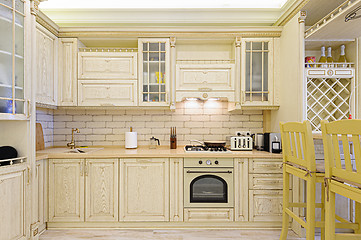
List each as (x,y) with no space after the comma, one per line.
(328,99)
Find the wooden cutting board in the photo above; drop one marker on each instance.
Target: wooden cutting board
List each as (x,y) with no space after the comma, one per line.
(40,145)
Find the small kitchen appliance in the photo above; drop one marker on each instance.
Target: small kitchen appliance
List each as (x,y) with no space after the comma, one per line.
(272,142)
(259,141)
(240,143)
(153,142)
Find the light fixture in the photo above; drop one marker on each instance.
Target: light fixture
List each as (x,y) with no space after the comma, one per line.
(192,99)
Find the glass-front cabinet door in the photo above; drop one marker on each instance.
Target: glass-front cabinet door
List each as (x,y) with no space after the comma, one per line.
(12,100)
(153,71)
(257,72)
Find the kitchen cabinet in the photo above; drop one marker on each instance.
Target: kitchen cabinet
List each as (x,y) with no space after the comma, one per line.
(154,71)
(144,189)
(176,189)
(208,214)
(83,190)
(101,190)
(67,72)
(107,65)
(66,190)
(13,95)
(241,189)
(47,59)
(41,192)
(258,72)
(205,81)
(107,79)
(265,190)
(13,202)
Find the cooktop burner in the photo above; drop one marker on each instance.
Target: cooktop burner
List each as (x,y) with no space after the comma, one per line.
(200,148)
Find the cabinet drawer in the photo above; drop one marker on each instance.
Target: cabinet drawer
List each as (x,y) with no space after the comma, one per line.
(266,181)
(265,205)
(107,65)
(105,93)
(215,77)
(265,166)
(208,214)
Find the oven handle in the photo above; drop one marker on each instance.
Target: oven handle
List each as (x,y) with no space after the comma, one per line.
(189,171)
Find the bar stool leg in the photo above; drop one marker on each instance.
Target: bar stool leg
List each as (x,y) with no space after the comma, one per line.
(311,206)
(323,211)
(330,217)
(286,199)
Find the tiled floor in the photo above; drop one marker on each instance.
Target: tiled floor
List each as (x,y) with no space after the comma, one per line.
(188,234)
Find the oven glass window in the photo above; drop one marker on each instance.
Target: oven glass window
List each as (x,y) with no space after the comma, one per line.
(208,189)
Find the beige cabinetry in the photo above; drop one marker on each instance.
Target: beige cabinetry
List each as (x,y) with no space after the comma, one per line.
(154,71)
(12,208)
(258,72)
(107,79)
(265,190)
(66,190)
(41,191)
(83,190)
(47,59)
(176,189)
(144,189)
(67,77)
(101,190)
(241,189)
(208,214)
(107,65)
(205,81)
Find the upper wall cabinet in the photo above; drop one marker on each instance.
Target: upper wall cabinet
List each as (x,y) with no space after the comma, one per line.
(107,78)
(154,65)
(68,64)
(257,72)
(107,65)
(47,58)
(12,83)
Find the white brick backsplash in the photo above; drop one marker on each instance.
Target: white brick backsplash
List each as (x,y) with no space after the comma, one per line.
(46,118)
(198,121)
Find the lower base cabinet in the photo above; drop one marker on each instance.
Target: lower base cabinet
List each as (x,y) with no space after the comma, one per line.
(41,190)
(12,199)
(208,214)
(265,205)
(145,189)
(83,190)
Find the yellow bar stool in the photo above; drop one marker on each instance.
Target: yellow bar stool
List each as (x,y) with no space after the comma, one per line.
(299,160)
(343,176)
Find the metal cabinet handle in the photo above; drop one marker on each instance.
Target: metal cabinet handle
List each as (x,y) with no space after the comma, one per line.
(29,174)
(86,168)
(189,171)
(81,169)
(28,109)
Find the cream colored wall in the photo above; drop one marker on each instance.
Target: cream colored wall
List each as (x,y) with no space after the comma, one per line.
(291,75)
(194,120)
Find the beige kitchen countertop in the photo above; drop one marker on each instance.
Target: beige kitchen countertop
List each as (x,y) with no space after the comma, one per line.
(144,152)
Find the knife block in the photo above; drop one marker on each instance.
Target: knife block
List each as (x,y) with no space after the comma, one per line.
(173,143)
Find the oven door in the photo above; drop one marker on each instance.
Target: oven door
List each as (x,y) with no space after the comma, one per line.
(208,187)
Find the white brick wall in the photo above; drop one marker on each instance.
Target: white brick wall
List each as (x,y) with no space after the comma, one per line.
(193,120)
(45,117)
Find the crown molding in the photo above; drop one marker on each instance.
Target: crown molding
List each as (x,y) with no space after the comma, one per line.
(47,23)
(289,10)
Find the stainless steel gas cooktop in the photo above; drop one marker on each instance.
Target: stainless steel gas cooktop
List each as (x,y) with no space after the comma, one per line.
(202,149)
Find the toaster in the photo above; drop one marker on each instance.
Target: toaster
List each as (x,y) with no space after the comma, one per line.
(240,143)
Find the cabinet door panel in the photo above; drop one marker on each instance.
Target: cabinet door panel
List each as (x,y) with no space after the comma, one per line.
(265,205)
(145,193)
(103,93)
(66,190)
(46,71)
(107,65)
(12,220)
(241,189)
(216,77)
(101,190)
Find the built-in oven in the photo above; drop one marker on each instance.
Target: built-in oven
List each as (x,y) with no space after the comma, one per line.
(208,182)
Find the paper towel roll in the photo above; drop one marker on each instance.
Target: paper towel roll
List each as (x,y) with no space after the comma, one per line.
(131,140)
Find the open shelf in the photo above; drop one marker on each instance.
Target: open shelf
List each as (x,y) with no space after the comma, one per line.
(333,26)
(12,161)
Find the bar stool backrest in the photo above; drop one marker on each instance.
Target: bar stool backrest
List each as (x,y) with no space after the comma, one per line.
(339,134)
(297,144)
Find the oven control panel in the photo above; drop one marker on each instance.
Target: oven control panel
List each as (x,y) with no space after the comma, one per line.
(208,162)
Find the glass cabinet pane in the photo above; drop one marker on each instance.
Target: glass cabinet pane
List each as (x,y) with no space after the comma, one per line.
(6,30)
(19,6)
(154,71)
(7,2)
(5,106)
(6,71)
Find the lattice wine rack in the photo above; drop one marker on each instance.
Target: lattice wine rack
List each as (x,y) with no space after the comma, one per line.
(328,94)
